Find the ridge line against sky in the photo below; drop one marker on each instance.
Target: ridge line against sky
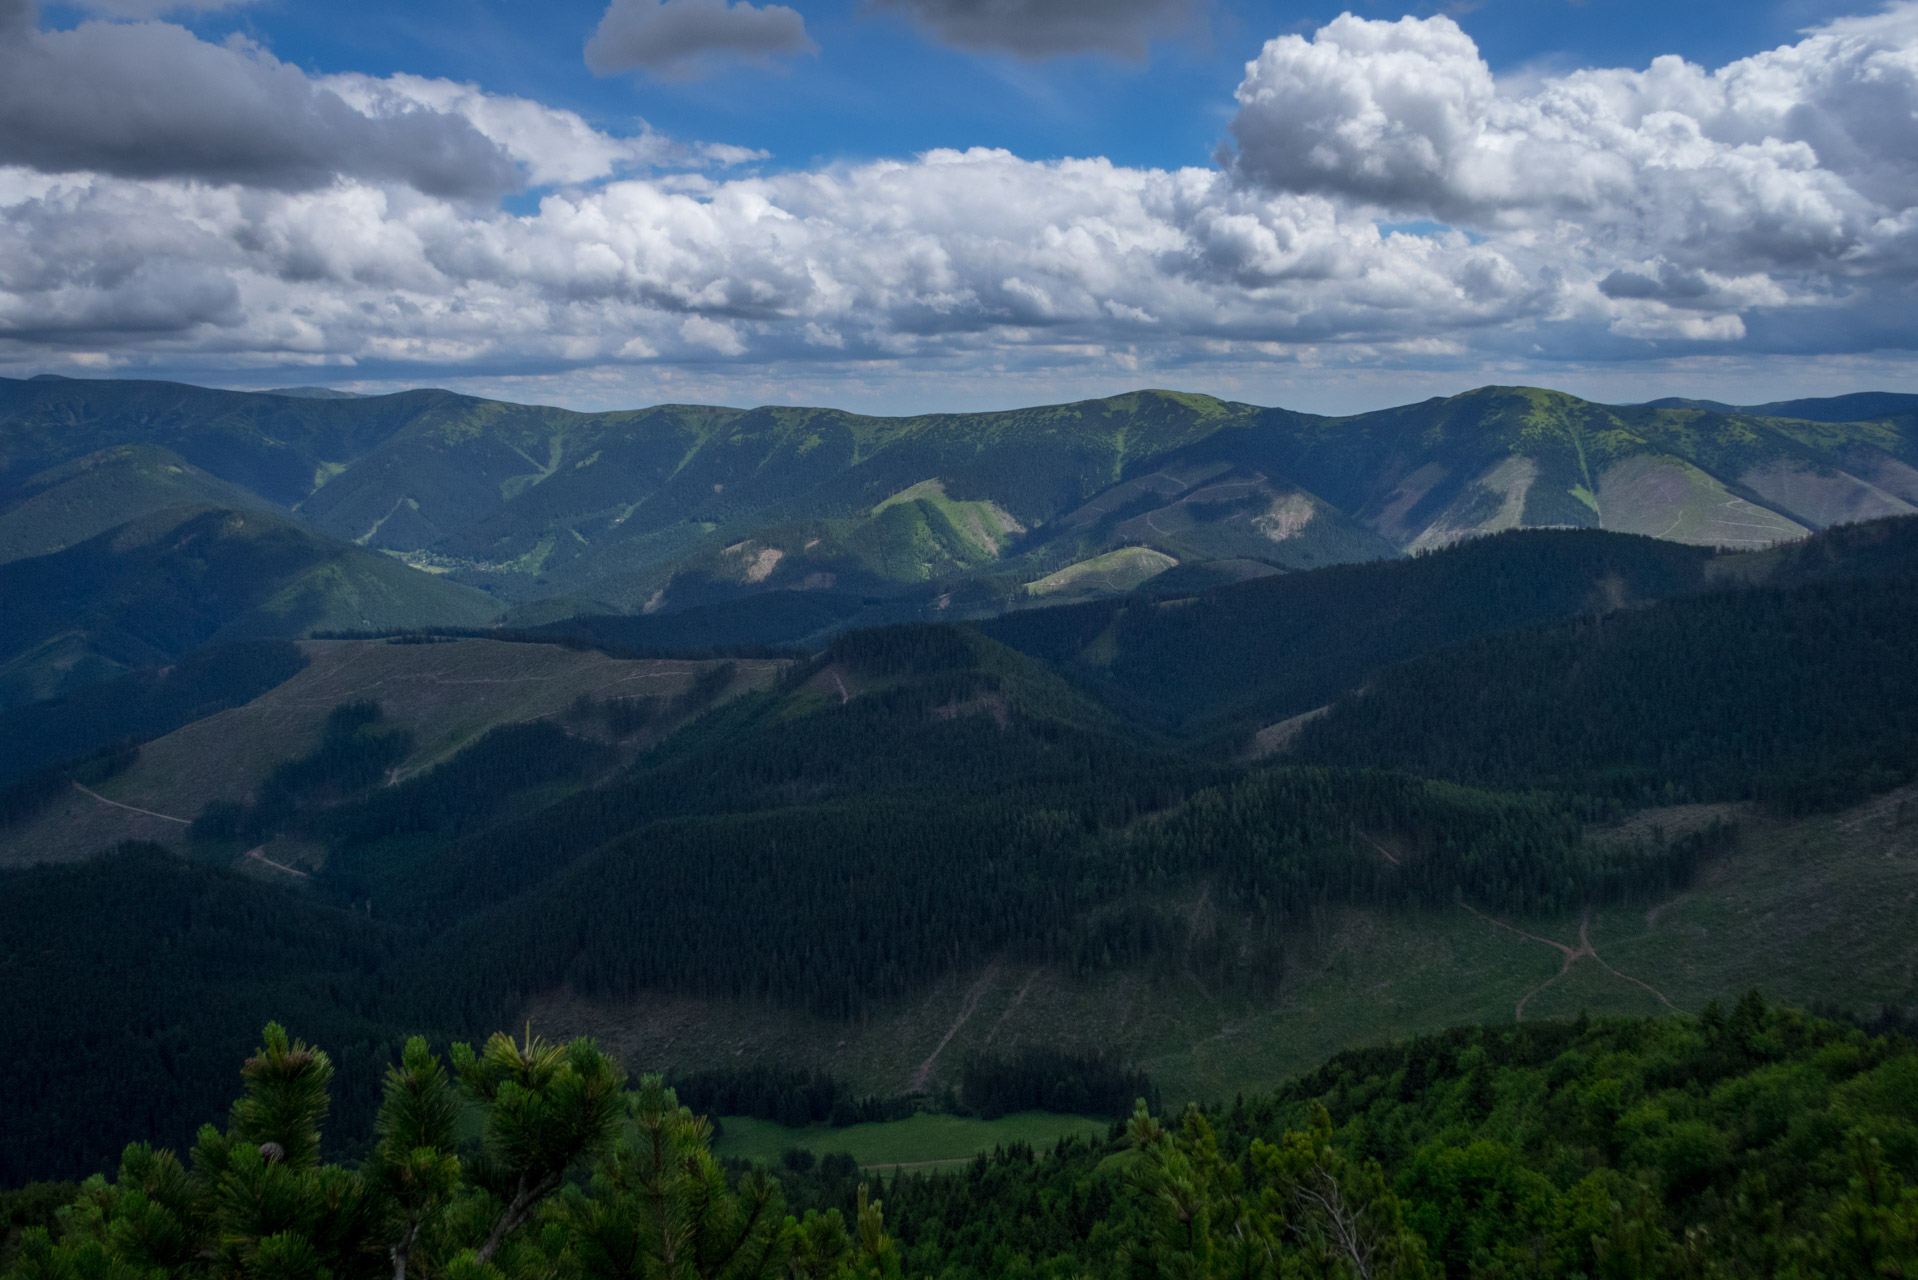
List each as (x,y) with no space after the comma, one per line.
(1383,216)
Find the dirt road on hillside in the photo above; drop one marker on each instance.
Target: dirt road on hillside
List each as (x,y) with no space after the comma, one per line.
(1572,955)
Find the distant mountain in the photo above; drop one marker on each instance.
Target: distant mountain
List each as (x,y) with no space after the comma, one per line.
(966,515)
(1516,457)
(1861,406)
(313,393)
(677,507)
(276,447)
(76,500)
(161,586)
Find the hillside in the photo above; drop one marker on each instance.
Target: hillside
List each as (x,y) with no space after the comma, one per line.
(1201,663)
(1806,910)
(924,836)
(156,588)
(957,515)
(447,696)
(1510,457)
(679,506)
(142,704)
(1233,658)
(277,447)
(1704,699)
(77,500)
(675,507)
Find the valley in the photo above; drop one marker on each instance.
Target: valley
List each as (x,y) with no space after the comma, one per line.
(907,791)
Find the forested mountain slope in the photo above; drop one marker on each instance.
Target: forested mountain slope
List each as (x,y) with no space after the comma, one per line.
(214,726)
(1234,658)
(850,831)
(278,447)
(1801,698)
(77,500)
(1240,656)
(156,588)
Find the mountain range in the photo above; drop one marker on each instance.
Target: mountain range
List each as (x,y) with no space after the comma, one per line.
(1209,738)
(554,512)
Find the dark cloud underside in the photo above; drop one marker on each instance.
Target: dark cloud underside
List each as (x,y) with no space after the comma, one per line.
(1049,28)
(182,107)
(681,38)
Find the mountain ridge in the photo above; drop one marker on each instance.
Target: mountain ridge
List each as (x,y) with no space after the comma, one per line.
(678,506)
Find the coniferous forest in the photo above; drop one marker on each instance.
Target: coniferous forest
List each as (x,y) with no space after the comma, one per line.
(768,805)
(1749,1142)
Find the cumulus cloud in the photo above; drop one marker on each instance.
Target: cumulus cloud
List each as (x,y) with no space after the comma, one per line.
(1034,29)
(1801,158)
(552,146)
(1417,211)
(955,251)
(182,107)
(680,39)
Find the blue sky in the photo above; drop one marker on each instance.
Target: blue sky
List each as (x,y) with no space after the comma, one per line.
(1398,202)
(878,87)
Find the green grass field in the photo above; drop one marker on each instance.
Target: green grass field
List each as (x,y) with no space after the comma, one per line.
(1113,572)
(924,1139)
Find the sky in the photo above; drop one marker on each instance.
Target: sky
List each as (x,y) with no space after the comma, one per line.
(903,206)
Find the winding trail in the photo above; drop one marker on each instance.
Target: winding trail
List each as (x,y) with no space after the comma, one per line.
(923,1076)
(1395,862)
(164,817)
(259,855)
(1016,1002)
(1572,956)
(844,697)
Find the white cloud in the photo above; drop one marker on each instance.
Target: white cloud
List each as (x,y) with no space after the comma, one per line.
(1804,158)
(1769,206)
(551,145)
(681,39)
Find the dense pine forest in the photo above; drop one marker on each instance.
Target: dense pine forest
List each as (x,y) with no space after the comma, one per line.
(1751,1142)
(1794,697)
(1079,789)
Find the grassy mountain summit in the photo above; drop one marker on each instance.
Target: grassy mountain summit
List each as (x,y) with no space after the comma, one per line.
(1515,457)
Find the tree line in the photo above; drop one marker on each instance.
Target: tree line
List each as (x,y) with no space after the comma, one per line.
(1743,1144)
